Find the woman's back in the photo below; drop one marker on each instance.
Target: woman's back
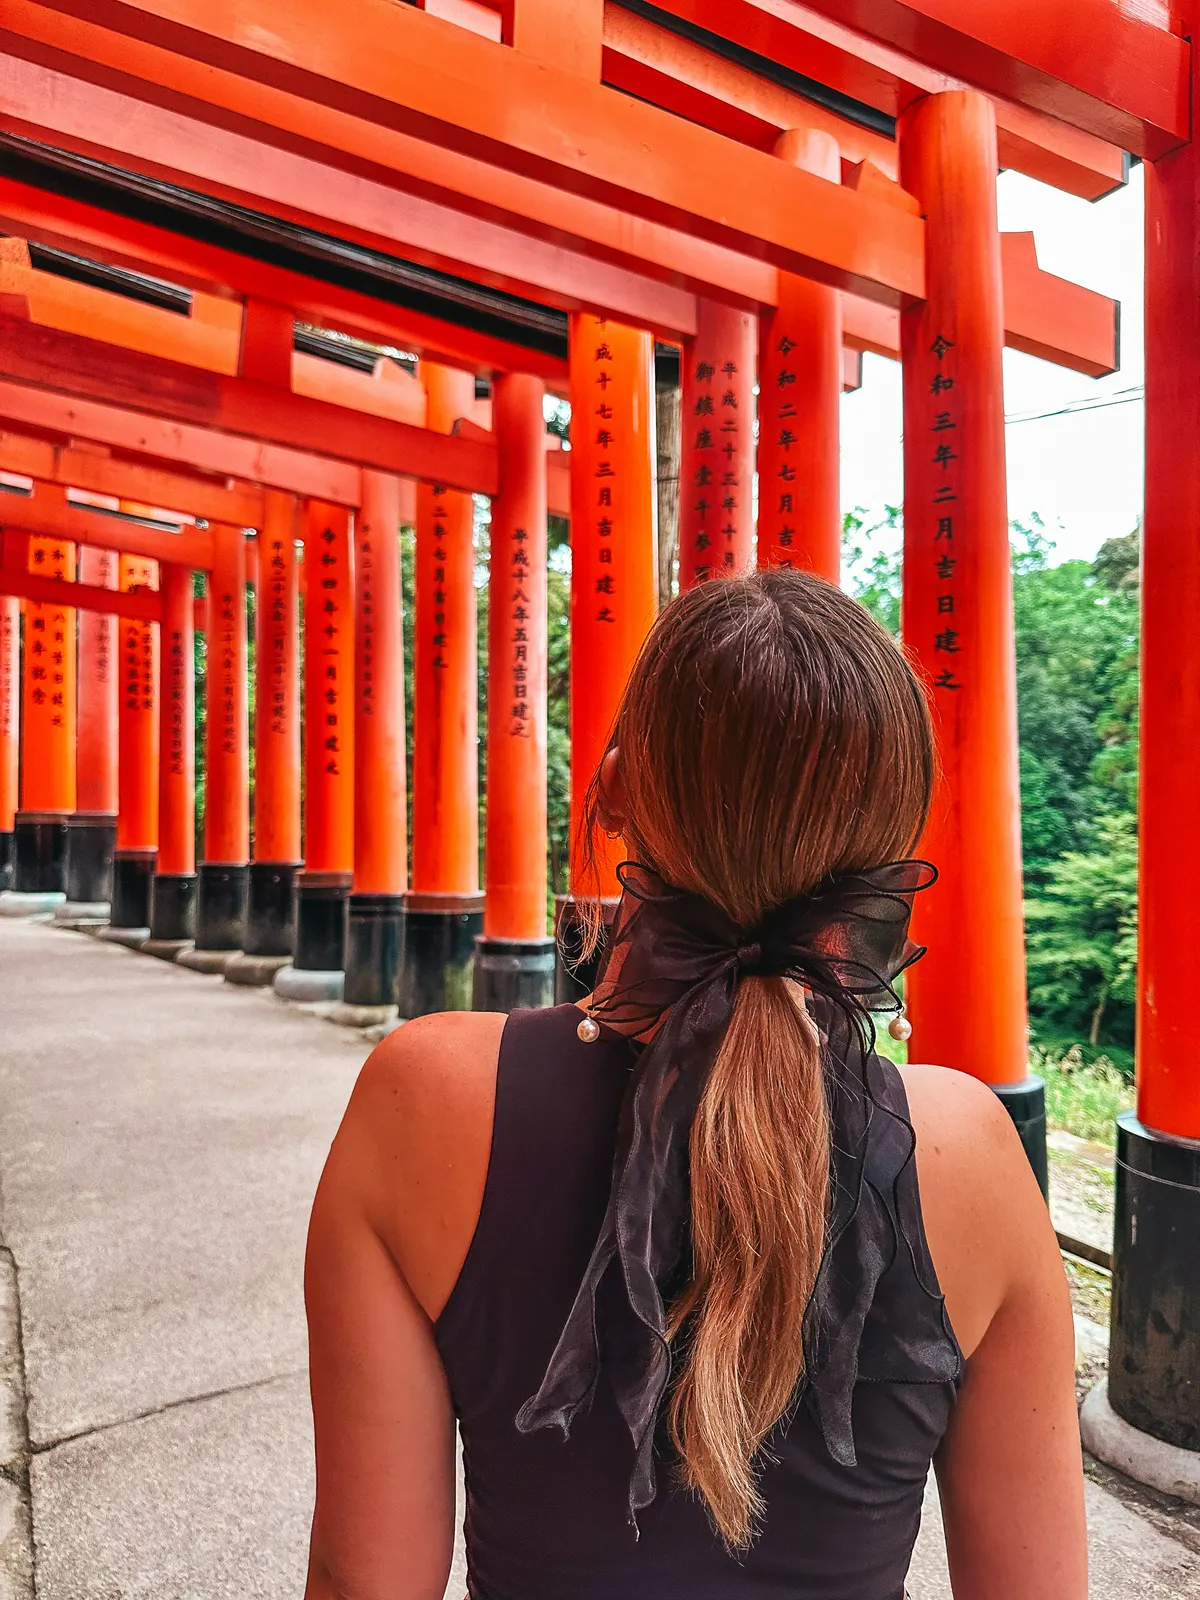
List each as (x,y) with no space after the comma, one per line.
(548,1517)
(702,1256)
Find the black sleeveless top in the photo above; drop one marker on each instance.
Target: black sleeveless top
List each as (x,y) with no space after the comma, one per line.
(547,1519)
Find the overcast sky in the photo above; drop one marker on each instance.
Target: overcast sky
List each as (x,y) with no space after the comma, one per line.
(1081,473)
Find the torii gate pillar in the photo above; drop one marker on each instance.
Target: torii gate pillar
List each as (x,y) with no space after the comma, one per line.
(799,402)
(514,958)
(375,933)
(173,892)
(1154,1362)
(48,789)
(221,898)
(967,997)
(317,971)
(270,938)
(444,908)
(137,819)
(613,578)
(716,455)
(10,730)
(92,831)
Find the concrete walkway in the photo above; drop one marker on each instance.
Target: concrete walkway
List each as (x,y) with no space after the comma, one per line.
(161,1134)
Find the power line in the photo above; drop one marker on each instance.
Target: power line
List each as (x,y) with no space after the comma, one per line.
(1120,397)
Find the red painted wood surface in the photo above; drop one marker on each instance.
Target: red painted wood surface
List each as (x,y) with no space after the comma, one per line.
(138,665)
(445,783)
(97,757)
(177,726)
(48,684)
(613,558)
(515,847)
(1168,1084)
(966,998)
(380,790)
(226,735)
(800,393)
(10,709)
(716,459)
(328,690)
(277,776)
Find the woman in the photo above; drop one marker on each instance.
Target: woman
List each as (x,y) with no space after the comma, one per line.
(680,1224)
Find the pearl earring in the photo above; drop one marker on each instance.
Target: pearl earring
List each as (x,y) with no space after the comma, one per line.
(900,1028)
(588,1030)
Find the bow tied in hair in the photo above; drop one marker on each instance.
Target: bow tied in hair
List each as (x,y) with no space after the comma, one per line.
(676,961)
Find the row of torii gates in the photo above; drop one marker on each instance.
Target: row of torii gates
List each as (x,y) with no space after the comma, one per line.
(532,193)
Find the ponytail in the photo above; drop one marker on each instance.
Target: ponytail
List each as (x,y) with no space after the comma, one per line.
(759,1195)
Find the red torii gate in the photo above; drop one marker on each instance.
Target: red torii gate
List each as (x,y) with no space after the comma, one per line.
(415,106)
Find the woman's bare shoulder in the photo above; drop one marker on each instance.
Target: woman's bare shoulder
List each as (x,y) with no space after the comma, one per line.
(420,1125)
(433,1066)
(984,1215)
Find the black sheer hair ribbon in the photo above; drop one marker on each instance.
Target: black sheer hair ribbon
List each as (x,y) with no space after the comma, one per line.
(677,959)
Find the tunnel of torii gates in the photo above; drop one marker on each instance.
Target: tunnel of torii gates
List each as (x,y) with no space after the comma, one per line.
(559,196)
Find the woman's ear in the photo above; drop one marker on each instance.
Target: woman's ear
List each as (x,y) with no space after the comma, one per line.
(612,793)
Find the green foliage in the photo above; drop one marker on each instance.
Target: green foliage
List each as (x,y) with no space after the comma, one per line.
(871,561)
(1081,932)
(1076,697)
(1081,1096)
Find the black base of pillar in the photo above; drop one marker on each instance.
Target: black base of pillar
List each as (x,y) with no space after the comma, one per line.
(439,952)
(133,873)
(1026,1105)
(374,950)
(173,906)
(513,973)
(6,860)
(221,905)
(40,852)
(1154,1350)
(321,917)
(574,977)
(91,842)
(271,912)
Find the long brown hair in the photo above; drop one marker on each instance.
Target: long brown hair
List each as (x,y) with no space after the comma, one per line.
(771,733)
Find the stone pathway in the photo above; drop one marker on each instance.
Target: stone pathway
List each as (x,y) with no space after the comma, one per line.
(161,1134)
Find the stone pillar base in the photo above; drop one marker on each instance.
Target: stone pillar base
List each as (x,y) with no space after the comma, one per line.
(1154,1348)
(253,972)
(7,851)
(1026,1105)
(131,938)
(512,973)
(77,914)
(1138,1455)
(167,949)
(14,903)
(574,977)
(271,908)
(309,986)
(173,908)
(374,952)
(439,952)
(211,962)
(133,873)
(40,852)
(379,1032)
(221,905)
(372,1017)
(91,845)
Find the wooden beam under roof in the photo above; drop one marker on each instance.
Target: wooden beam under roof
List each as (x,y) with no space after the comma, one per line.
(862,84)
(418,78)
(240,505)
